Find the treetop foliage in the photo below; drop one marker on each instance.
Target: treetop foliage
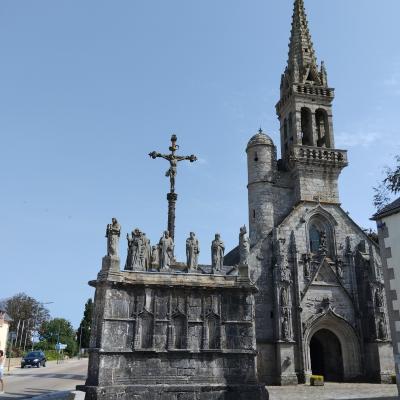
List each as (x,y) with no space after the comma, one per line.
(84,327)
(22,307)
(389,186)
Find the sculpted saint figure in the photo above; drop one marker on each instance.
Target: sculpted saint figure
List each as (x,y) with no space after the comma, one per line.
(285,327)
(323,242)
(113,233)
(133,260)
(307,265)
(192,251)
(244,246)
(284,297)
(339,268)
(128,263)
(146,252)
(382,329)
(154,256)
(166,248)
(379,298)
(217,253)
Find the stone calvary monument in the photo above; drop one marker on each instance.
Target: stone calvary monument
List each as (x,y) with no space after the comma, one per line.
(164,330)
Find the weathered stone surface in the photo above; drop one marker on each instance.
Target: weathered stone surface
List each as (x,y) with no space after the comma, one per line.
(320,306)
(173,336)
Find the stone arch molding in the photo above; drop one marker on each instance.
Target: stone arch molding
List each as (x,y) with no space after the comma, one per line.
(347,336)
(320,211)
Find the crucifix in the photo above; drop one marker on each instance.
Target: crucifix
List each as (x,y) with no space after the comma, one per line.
(171,173)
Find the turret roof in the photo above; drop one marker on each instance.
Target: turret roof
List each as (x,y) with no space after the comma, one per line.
(260,138)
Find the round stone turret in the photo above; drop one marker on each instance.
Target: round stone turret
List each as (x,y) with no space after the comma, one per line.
(261,158)
(261,167)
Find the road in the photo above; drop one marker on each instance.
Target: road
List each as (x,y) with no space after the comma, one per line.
(28,382)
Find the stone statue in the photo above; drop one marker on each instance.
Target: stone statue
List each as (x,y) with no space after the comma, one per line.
(284,297)
(166,249)
(382,329)
(379,297)
(285,327)
(323,242)
(244,246)
(285,273)
(307,266)
(154,256)
(339,268)
(217,253)
(192,251)
(133,259)
(147,251)
(129,256)
(113,233)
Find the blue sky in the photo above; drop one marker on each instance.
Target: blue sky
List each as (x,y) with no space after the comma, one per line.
(89,88)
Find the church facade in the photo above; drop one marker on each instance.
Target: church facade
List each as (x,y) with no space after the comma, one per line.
(321,305)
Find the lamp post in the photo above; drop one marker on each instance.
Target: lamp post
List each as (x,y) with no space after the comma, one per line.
(36,315)
(80,342)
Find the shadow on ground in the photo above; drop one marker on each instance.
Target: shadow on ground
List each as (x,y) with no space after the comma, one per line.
(368,398)
(28,393)
(52,375)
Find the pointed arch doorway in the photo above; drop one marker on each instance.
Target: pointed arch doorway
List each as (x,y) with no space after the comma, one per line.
(326,356)
(339,330)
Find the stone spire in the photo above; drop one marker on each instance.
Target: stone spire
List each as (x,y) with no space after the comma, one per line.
(302,62)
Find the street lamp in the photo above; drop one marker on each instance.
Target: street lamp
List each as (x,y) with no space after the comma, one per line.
(36,315)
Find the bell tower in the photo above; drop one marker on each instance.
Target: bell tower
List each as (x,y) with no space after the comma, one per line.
(305,114)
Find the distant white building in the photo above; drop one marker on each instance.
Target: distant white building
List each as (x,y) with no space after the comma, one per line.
(388,222)
(4,327)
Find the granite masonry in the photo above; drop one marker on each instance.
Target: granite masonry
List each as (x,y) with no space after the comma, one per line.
(321,305)
(172,334)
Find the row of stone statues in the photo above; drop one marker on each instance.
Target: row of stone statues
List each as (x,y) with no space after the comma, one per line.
(142,256)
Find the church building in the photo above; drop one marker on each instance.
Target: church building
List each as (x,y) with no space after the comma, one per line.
(321,305)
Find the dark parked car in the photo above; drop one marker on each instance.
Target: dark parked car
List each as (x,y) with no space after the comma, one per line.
(34,359)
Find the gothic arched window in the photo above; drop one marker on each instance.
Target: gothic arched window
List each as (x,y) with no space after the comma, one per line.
(291,126)
(321,120)
(306,127)
(320,235)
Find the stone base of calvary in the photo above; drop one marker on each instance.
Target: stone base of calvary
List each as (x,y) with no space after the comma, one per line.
(161,331)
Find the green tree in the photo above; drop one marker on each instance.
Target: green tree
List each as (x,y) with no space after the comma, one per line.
(27,316)
(58,330)
(389,186)
(83,332)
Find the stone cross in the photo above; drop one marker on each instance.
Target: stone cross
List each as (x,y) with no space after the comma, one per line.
(172,197)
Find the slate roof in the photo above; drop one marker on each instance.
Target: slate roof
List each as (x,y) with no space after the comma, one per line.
(390,209)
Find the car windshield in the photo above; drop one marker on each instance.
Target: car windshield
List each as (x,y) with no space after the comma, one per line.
(33,354)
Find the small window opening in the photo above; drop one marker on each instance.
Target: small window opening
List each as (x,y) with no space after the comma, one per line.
(271,314)
(254,214)
(255,157)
